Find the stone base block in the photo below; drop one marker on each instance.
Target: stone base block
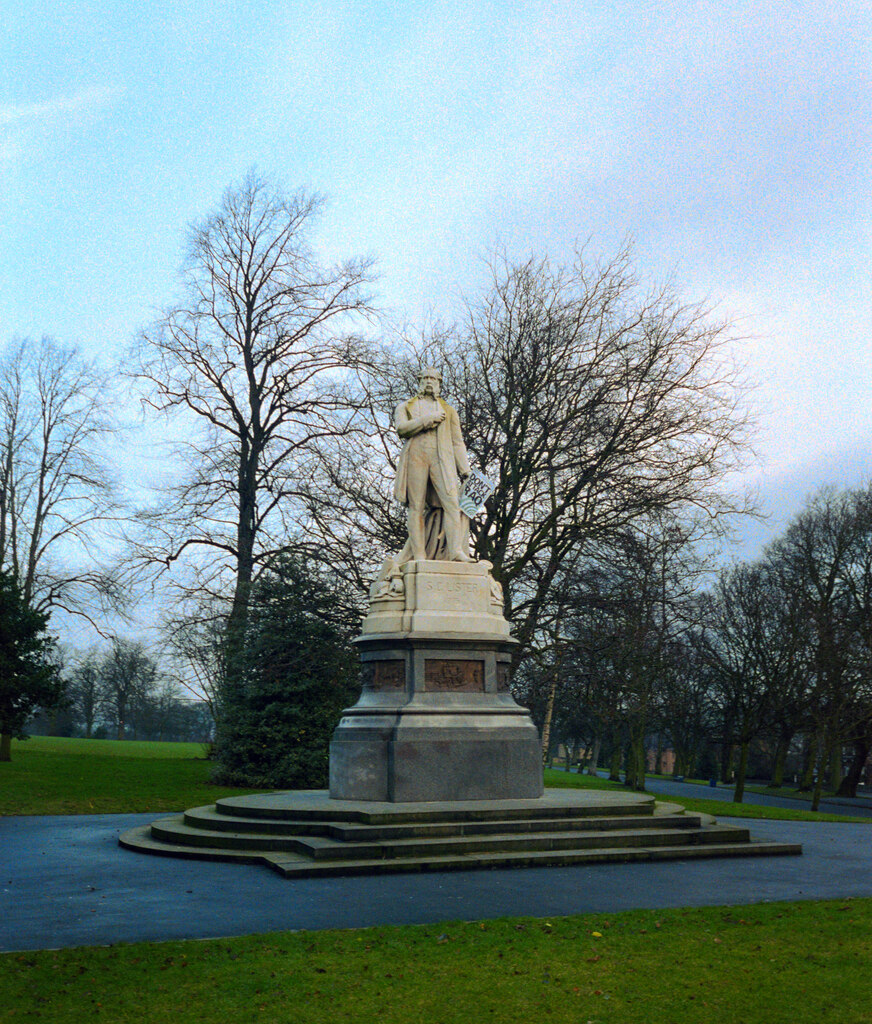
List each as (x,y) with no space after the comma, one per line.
(437,598)
(456,762)
(435,722)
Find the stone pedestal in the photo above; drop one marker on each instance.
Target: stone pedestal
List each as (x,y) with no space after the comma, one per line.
(436,720)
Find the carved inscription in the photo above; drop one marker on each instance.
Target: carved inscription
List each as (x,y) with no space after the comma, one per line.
(458,585)
(502,677)
(383,675)
(453,675)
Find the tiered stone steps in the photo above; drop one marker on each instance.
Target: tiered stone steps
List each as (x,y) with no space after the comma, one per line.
(302,834)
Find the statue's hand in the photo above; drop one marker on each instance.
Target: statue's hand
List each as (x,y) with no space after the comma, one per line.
(437,418)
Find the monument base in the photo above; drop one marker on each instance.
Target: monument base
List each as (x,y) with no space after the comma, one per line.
(308,835)
(435,722)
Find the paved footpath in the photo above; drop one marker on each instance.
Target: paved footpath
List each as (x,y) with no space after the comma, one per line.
(859,807)
(64,881)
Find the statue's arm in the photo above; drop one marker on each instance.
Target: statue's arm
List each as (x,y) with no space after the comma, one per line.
(408,426)
(460,457)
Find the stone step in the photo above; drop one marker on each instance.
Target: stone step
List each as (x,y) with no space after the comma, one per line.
(292,865)
(326,849)
(307,833)
(316,805)
(305,868)
(208,818)
(177,831)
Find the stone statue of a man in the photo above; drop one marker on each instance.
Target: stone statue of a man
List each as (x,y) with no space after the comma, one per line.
(432,465)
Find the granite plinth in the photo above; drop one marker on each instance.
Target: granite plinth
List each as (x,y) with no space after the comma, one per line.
(436,719)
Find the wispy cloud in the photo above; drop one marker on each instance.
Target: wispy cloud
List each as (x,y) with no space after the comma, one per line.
(84,100)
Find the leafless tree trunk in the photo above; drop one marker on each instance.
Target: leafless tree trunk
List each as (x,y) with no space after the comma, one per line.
(55,490)
(253,360)
(126,674)
(196,648)
(85,692)
(824,558)
(754,645)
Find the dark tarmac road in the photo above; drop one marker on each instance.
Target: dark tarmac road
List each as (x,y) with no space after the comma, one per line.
(861,807)
(64,881)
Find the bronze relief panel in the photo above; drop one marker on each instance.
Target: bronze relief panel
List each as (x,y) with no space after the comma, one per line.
(503,676)
(454,675)
(383,675)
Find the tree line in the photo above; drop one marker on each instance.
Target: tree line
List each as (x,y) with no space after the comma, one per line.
(121,693)
(769,660)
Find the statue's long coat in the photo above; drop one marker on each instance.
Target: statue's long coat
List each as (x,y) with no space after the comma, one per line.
(449,447)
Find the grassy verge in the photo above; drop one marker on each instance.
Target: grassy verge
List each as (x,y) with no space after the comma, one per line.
(789,793)
(719,808)
(779,963)
(51,775)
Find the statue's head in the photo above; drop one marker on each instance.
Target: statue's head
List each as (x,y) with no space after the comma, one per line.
(429,381)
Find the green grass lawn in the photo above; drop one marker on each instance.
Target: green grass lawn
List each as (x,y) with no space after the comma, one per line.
(719,808)
(51,775)
(778,963)
(788,792)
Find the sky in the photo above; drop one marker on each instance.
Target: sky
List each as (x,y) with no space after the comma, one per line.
(730,142)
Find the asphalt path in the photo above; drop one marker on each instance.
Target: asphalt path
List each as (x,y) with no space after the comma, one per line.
(860,807)
(64,881)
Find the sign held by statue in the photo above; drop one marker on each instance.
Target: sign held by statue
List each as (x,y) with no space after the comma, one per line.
(477,488)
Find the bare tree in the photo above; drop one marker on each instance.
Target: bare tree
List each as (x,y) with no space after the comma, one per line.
(85,692)
(127,675)
(195,646)
(823,560)
(252,359)
(755,652)
(592,403)
(629,623)
(685,706)
(56,494)
(858,581)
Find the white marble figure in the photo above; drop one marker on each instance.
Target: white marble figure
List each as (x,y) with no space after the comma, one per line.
(431,467)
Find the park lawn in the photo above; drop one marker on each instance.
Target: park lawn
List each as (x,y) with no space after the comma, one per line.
(718,808)
(782,963)
(785,792)
(55,775)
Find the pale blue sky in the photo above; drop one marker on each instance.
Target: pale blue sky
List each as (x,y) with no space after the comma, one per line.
(731,141)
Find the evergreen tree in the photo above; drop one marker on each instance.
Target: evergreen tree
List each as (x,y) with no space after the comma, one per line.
(299,672)
(29,676)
